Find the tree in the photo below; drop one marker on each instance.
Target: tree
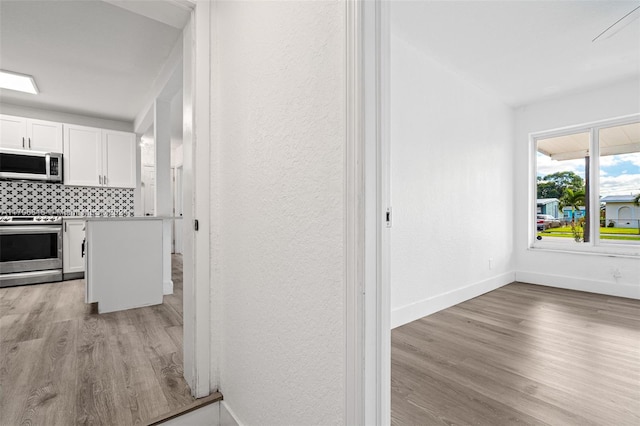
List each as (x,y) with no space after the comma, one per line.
(636,200)
(566,179)
(549,190)
(574,199)
(556,184)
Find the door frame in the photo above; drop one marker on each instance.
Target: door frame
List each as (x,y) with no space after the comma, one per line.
(177,209)
(378,207)
(198,356)
(368,307)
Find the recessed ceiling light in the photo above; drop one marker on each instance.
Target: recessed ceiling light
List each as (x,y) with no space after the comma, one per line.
(20,82)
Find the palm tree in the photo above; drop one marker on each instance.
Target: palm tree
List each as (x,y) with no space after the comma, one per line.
(573,198)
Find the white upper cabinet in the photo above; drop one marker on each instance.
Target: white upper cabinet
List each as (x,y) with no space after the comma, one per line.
(13,132)
(98,157)
(82,156)
(119,159)
(91,156)
(28,133)
(44,135)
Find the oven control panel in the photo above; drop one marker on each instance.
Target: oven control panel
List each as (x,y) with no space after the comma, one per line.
(33,220)
(47,219)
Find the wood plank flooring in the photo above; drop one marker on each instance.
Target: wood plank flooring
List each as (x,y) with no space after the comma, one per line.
(522,354)
(62,364)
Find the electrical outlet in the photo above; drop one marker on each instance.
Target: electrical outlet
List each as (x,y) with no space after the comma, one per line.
(616,273)
(491,263)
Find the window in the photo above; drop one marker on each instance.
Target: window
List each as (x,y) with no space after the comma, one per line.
(587,187)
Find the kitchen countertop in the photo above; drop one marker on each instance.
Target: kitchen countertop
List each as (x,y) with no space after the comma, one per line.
(123,218)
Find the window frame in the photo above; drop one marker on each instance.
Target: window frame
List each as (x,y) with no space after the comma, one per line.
(596,245)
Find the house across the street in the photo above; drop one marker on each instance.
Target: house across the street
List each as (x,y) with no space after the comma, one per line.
(548,206)
(570,213)
(621,211)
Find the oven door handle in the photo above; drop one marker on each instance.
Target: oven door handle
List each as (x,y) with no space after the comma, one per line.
(6,230)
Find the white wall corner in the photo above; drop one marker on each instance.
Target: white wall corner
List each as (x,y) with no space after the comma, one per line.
(166,84)
(227,416)
(580,284)
(413,311)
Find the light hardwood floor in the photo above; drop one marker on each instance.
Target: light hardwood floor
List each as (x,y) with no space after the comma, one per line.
(62,364)
(522,354)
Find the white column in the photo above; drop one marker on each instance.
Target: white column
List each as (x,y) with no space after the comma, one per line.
(163,202)
(138,203)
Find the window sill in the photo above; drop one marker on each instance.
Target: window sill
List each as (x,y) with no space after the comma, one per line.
(608,250)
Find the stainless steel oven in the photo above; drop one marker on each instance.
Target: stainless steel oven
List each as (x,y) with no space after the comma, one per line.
(30,250)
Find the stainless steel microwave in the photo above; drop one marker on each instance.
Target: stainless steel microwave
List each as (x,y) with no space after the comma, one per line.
(20,164)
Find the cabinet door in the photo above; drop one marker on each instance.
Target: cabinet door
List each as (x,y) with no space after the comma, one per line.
(44,135)
(82,156)
(13,132)
(119,158)
(72,237)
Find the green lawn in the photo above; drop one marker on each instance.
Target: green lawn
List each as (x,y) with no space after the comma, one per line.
(630,234)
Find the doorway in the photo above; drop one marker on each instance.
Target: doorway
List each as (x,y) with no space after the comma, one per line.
(198,289)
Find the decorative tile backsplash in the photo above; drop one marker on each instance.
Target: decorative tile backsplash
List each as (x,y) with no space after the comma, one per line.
(40,199)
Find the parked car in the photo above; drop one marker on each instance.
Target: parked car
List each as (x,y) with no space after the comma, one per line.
(546,221)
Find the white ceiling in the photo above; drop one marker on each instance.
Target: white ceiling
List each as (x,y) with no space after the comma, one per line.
(88,57)
(524,51)
(99,58)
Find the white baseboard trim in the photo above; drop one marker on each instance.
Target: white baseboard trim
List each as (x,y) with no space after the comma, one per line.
(422,308)
(167,287)
(227,416)
(580,284)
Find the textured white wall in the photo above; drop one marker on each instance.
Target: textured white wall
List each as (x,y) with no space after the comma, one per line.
(451,186)
(576,271)
(278,209)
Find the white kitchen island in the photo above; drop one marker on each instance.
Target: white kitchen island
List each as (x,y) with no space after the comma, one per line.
(125,262)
